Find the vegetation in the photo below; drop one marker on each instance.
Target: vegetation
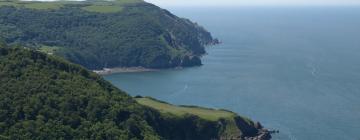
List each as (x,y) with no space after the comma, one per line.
(47,5)
(204,113)
(103,8)
(99,34)
(41,5)
(45,97)
(48,49)
(214,123)
(7,3)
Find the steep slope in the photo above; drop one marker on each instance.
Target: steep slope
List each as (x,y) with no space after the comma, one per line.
(99,34)
(45,97)
(198,123)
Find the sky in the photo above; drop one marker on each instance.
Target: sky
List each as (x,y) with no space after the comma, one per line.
(251,2)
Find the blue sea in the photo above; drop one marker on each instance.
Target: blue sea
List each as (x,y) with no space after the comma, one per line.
(294,69)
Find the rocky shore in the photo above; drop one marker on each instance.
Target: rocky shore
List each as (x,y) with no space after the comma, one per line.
(263,134)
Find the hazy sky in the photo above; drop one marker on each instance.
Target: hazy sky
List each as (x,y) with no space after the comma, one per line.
(251,2)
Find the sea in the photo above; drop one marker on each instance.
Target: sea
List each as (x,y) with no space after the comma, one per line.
(294,69)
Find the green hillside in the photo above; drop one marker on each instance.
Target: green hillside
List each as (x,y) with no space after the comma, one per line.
(45,97)
(204,113)
(231,122)
(54,5)
(105,34)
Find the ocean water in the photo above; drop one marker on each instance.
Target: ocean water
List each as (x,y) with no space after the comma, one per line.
(294,69)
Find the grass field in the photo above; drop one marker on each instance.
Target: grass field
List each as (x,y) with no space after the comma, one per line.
(128,1)
(204,113)
(34,5)
(103,8)
(109,7)
(95,6)
(43,5)
(5,3)
(48,49)
(230,129)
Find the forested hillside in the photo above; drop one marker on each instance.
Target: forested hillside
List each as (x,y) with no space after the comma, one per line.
(99,34)
(45,97)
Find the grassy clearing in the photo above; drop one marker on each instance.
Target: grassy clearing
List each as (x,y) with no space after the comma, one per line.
(33,5)
(109,7)
(204,113)
(43,5)
(103,8)
(128,1)
(96,6)
(48,49)
(5,3)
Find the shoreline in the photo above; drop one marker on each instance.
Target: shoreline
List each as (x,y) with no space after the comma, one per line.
(109,71)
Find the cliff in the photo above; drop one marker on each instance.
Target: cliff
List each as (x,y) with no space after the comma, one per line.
(105,34)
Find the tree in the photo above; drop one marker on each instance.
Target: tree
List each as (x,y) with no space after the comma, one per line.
(2,42)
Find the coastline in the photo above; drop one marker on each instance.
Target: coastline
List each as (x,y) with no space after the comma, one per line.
(108,71)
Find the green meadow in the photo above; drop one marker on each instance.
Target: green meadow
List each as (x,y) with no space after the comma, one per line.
(204,113)
(93,6)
